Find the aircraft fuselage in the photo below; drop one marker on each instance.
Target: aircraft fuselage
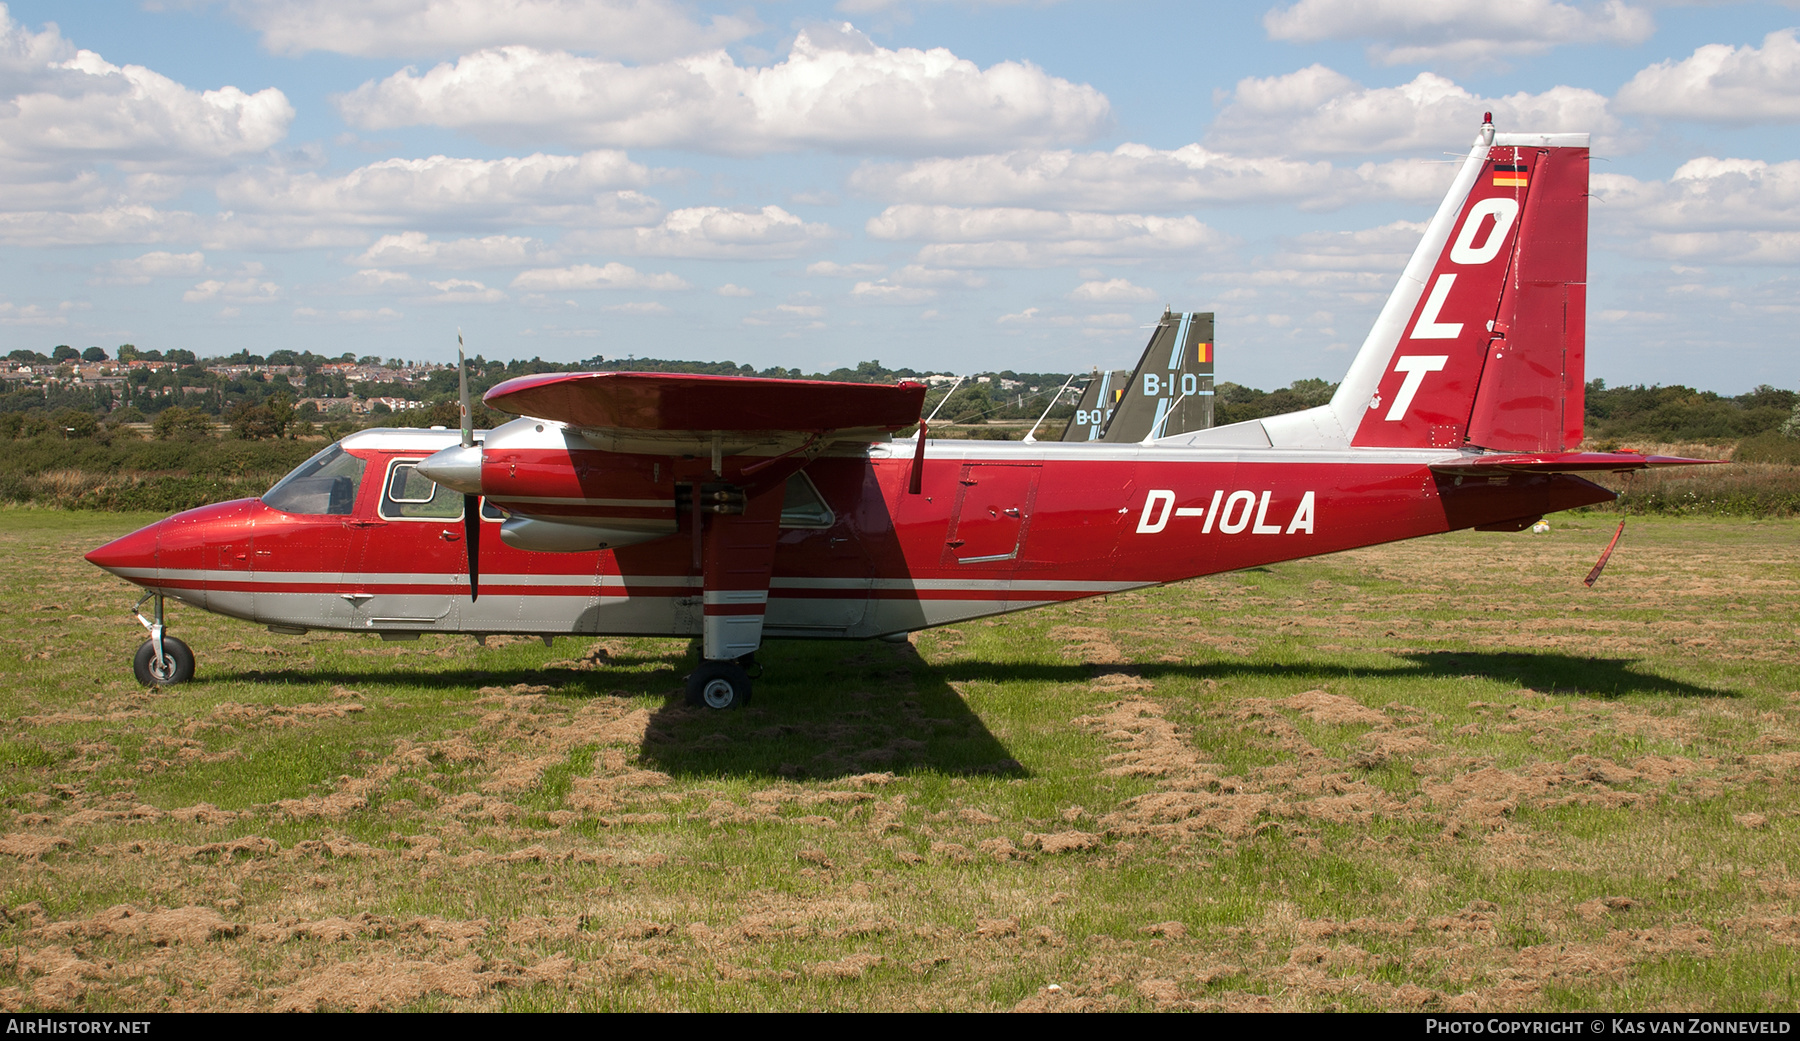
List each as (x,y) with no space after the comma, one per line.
(996,527)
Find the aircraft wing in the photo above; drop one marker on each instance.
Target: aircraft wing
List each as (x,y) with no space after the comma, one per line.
(1563,463)
(645,411)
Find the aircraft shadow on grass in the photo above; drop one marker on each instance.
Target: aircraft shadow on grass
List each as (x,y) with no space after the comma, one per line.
(822,711)
(1544,672)
(827,711)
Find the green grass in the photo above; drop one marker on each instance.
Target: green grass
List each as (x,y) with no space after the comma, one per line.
(508,828)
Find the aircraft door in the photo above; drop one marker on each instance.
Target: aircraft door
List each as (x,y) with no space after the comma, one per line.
(993,513)
(407,569)
(823,574)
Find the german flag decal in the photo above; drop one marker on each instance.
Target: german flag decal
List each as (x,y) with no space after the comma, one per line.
(1511,175)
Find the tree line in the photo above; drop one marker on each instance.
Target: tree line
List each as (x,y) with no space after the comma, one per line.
(188,400)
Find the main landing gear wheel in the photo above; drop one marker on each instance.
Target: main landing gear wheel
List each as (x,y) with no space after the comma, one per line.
(177,665)
(719,685)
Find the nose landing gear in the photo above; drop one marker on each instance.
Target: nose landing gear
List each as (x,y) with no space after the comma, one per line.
(162,660)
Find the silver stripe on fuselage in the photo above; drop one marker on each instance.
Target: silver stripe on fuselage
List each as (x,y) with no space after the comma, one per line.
(626,616)
(561,500)
(335,578)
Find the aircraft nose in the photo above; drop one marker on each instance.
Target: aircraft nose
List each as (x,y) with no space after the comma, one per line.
(128,556)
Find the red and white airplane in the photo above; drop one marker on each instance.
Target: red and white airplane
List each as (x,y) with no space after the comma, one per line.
(743,509)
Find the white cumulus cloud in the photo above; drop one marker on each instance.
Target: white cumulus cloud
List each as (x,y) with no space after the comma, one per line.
(1113,290)
(596,188)
(1414,31)
(1318,111)
(713,232)
(1138,178)
(32,314)
(635,29)
(587,276)
(247,290)
(138,271)
(110,224)
(58,103)
(1720,83)
(836,91)
(915,283)
(357,315)
(1734,211)
(833,269)
(791,316)
(417,249)
(884,291)
(1383,249)
(463,291)
(965,237)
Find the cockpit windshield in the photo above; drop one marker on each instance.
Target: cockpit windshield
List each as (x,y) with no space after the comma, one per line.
(326,483)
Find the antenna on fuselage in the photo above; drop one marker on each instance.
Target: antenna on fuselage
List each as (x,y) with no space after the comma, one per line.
(1031,437)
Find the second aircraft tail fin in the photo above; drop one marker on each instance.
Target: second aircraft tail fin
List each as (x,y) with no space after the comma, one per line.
(1171,392)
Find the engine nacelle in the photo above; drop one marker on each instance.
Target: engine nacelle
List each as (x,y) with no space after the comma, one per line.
(549,536)
(563,495)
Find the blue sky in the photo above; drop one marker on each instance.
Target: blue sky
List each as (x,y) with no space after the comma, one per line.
(953,185)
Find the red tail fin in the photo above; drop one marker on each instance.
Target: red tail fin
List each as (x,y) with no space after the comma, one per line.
(1492,354)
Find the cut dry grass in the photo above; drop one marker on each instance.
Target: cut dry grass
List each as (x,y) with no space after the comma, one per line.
(1441,774)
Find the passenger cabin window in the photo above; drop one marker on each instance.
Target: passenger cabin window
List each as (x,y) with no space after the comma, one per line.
(410,495)
(325,484)
(803,507)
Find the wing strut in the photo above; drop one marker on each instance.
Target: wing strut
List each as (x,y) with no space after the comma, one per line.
(739,557)
(917,483)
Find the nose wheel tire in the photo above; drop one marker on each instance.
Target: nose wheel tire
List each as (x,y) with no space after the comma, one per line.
(718,685)
(177,665)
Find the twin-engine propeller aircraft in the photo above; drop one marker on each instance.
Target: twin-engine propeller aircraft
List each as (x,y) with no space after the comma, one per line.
(743,509)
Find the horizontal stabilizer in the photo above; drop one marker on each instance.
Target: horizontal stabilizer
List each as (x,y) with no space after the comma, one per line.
(645,401)
(1564,463)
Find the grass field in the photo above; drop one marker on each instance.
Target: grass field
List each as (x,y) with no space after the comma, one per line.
(1441,774)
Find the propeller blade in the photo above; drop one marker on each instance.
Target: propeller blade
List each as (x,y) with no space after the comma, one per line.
(462,384)
(472,540)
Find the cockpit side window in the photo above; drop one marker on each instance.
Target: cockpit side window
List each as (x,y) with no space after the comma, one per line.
(802,506)
(325,484)
(410,495)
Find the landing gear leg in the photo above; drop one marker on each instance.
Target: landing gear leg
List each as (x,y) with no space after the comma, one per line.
(737,559)
(162,660)
(718,685)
